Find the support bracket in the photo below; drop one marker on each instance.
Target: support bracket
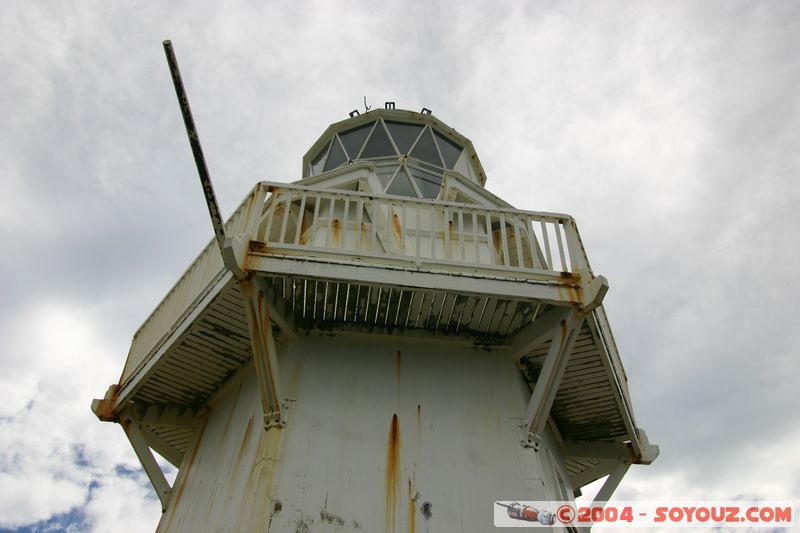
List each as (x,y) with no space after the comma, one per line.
(154,473)
(593,294)
(265,357)
(544,392)
(612,481)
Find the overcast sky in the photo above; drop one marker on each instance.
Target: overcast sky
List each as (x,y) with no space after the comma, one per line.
(670,130)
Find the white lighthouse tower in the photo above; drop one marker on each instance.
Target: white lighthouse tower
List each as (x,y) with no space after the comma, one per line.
(381,346)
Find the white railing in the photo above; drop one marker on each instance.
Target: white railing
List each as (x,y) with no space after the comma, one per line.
(190,288)
(368,226)
(610,345)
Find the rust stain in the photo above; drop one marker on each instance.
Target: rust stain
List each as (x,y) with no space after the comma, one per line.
(398,359)
(412,509)
(419,418)
(264,473)
(304,228)
(182,478)
(104,409)
(363,241)
(258,246)
(563,334)
(392,471)
(397,229)
(571,293)
(498,247)
(336,233)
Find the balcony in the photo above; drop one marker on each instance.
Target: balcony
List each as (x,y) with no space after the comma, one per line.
(353,260)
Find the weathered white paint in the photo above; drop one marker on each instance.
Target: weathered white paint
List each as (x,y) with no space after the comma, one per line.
(333,467)
(380,400)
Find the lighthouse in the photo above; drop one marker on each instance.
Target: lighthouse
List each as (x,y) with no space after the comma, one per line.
(380,346)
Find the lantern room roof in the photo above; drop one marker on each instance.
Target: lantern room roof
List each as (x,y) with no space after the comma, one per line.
(393,133)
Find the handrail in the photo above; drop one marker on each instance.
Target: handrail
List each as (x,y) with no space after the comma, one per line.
(356,223)
(273,185)
(178,302)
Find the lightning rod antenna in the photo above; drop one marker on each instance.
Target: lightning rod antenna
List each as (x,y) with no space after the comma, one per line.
(194,141)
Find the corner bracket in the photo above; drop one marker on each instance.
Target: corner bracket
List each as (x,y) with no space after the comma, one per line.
(593,294)
(544,392)
(265,356)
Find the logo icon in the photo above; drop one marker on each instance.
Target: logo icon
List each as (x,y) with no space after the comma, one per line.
(527,513)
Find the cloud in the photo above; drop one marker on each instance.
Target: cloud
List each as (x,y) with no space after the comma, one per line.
(55,458)
(668,130)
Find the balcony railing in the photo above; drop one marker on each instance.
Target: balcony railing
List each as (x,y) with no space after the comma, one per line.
(195,282)
(369,228)
(429,234)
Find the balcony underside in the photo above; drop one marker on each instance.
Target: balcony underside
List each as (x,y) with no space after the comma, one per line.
(211,343)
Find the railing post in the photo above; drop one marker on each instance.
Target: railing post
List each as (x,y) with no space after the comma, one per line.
(577,255)
(234,250)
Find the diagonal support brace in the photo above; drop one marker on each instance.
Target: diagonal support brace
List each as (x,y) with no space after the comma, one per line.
(154,473)
(265,357)
(565,333)
(612,481)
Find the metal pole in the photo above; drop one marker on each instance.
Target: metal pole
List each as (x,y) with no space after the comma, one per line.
(197,150)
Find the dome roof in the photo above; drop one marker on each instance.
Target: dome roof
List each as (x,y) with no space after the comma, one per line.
(414,150)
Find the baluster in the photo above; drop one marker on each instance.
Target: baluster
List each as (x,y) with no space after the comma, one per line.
(461,234)
(546,238)
(300,215)
(447,226)
(315,220)
(332,200)
(504,239)
(490,238)
(342,243)
(531,241)
(475,236)
(286,211)
(557,226)
(432,212)
(273,203)
(518,242)
(359,222)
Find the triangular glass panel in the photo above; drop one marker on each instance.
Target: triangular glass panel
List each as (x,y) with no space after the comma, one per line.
(316,163)
(378,144)
(426,149)
(404,134)
(428,184)
(354,139)
(401,186)
(336,157)
(385,174)
(450,150)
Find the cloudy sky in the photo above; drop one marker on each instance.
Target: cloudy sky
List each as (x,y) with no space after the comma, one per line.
(670,130)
